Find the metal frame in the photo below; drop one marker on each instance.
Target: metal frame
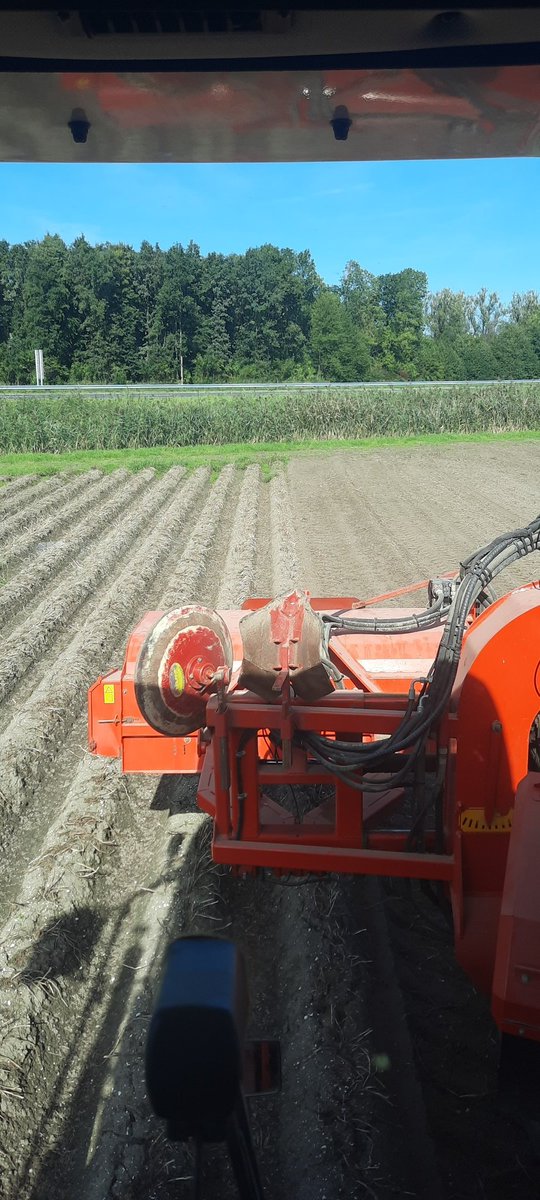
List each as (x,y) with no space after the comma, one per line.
(248,750)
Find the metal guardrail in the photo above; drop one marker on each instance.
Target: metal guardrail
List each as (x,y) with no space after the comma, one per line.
(181,389)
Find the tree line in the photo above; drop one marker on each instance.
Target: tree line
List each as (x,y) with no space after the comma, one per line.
(110,313)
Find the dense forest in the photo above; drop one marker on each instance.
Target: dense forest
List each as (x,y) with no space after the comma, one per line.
(114,314)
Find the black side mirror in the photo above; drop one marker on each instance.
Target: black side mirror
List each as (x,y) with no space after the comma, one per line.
(199,1068)
(194,1051)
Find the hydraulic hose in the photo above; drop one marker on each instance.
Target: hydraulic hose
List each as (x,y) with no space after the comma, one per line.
(425,707)
(430,618)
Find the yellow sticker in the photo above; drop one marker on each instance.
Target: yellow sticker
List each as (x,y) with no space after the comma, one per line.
(473,820)
(177,679)
(108,693)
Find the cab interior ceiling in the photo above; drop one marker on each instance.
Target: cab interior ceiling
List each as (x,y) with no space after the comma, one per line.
(216,30)
(215,82)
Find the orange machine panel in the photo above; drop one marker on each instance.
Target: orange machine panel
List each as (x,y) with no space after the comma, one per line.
(117,729)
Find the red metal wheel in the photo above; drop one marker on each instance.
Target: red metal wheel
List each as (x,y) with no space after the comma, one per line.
(179,666)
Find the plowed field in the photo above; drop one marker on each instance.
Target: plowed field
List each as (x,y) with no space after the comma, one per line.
(99,872)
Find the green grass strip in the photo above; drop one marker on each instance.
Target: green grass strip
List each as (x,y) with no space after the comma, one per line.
(268,454)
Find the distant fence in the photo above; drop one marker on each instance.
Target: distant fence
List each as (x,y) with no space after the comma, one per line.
(287,385)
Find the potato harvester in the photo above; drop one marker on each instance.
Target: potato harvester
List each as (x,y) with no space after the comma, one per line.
(362,737)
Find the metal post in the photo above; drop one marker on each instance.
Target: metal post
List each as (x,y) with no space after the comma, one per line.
(242,1154)
(40,372)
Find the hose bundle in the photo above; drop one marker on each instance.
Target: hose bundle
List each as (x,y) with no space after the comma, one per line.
(428,698)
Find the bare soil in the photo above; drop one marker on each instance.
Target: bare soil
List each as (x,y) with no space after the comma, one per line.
(389,1057)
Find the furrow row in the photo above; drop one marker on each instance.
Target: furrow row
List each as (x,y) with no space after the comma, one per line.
(60,890)
(63,880)
(237,581)
(109,1156)
(33,577)
(87,501)
(285,565)
(83,822)
(10,493)
(182,585)
(29,642)
(53,492)
(37,948)
(15,493)
(29,744)
(46,936)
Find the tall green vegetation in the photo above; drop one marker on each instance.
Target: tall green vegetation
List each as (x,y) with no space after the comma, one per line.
(109,313)
(54,422)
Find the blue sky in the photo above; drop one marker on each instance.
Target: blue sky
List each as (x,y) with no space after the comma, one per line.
(466,223)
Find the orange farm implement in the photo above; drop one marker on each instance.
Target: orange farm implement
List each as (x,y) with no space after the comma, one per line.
(334,735)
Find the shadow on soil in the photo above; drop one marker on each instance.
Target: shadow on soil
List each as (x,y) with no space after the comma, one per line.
(106,1098)
(483,1149)
(175,794)
(63,946)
